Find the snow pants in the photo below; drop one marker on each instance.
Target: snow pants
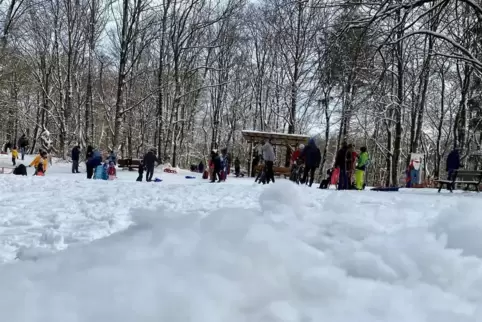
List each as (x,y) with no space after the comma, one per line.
(359,179)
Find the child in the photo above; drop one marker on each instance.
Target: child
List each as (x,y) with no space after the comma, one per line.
(40,168)
(14,155)
(141,171)
(40,161)
(111,172)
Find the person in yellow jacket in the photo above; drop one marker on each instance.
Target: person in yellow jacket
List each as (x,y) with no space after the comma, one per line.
(361,165)
(14,155)
(41,158)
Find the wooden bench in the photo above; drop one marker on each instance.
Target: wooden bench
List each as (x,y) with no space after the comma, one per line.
(130,164)
(278,171)
(467,177)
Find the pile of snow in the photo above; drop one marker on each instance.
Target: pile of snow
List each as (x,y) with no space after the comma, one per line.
(216,253)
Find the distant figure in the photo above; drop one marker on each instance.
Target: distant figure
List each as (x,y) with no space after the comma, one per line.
(23,144)
(112,157)
(40,164)
(453,164)
(312,156)
(75,159)
(362,162)
(216,165)
(340,163)
(140,171)
(237,167)
(89,155)
(150,160)
(200,167)
(7,147)
(14,155)
(269,157)
(111,171)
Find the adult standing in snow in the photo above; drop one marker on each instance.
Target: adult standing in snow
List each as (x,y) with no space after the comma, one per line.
(340,163)
(89,155)
(312,156)
(217,166)
(362,162)
(453,163)
(23,144)
(237,167)
(149,161)
(268,157)
(350,165)
(75,159)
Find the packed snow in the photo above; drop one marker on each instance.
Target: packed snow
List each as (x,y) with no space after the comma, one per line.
(180,250)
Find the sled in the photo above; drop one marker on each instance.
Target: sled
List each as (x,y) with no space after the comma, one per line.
(385,189)
(157,180)
(335,176)
(170,171)
(190,177)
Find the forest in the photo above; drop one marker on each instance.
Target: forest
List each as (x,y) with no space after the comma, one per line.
(187,76)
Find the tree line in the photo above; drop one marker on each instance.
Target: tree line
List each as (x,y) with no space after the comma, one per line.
(186,76)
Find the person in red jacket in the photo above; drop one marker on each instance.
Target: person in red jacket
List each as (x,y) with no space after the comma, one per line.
(297,154)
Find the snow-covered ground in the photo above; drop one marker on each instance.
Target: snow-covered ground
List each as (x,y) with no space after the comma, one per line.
(183,250)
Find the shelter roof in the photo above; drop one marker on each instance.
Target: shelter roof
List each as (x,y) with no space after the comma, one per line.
(276,138)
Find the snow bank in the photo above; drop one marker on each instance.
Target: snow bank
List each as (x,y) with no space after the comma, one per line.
(278,253)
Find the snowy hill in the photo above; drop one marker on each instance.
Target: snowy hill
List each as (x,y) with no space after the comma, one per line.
(187,250)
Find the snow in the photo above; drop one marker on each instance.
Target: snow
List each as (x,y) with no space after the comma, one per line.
(187,250)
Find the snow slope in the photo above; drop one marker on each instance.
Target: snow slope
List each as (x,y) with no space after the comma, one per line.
(186,250)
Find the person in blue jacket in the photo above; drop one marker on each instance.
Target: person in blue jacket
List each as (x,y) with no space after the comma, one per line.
(312,156)
(453,163)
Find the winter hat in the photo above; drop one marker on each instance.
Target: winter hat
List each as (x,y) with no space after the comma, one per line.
(301,146)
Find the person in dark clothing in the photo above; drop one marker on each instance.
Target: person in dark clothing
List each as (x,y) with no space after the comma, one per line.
(149,161)
(216,159)
(8,146)
(453,163)
(20,170)
(200,167)
(350,162)
(237,167)
(89,155)
(312,156)
(141,171)
(75,159)
(340,162)
(23,144)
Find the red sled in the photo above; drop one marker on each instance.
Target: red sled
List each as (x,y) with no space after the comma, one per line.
(170,171)
(335,176)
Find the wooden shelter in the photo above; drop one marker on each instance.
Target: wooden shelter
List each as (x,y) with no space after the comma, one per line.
(281,139)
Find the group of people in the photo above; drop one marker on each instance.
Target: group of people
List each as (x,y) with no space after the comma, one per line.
(219,165)
(351,166)
(20,148)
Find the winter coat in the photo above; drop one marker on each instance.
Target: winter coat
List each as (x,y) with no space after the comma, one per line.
(296,155)
(38,159)
(22,142)
(95,159)
(14,154)
(200,167)
(100,172)
(362,161)
(311,154)
(268,152)
(216,161)
(453,160)
(340,160)
(349,162)
(75,154)
(150,159)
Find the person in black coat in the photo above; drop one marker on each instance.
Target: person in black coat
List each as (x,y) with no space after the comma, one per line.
(89,155)
(340,162)
(312,156)
(75,159)
(453,163)
(149,161)
(216,159)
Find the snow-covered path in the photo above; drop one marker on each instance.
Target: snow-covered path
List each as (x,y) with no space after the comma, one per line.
(186,250)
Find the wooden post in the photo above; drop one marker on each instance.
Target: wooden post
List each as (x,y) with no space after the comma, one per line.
(250,162)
